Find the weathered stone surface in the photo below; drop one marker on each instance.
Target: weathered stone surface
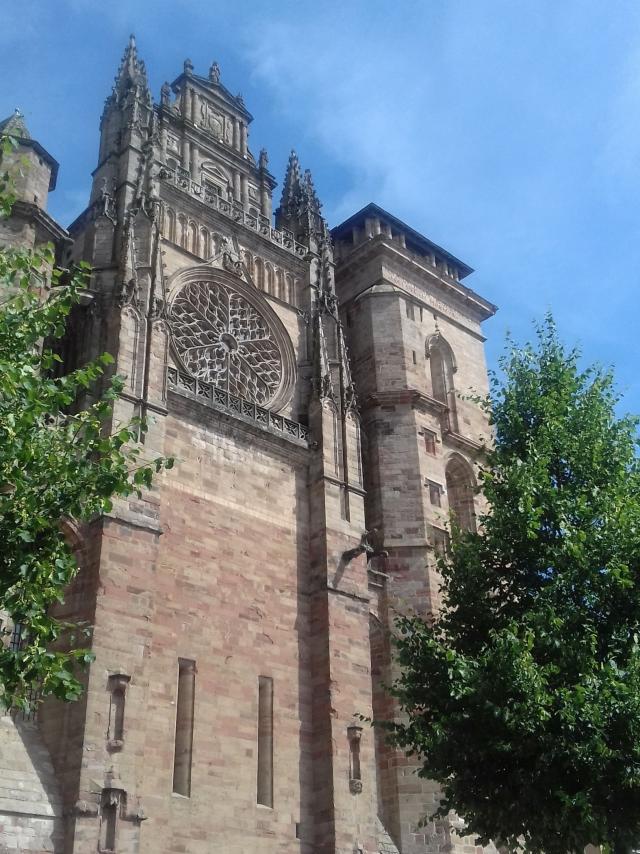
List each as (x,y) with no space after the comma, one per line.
(251,557)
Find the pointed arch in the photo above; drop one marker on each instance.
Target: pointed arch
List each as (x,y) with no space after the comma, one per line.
(291,288)
(280,291)
(170,225)
(193,238)
(268,278)
(461,489)
(259,273)
(182,231)
(247,257)
(205,243)
(442,367)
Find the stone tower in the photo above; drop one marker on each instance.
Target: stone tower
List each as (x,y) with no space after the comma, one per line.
(241,609)
(417,350)
(33,172)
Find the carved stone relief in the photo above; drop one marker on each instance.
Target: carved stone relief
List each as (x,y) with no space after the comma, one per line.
(210,119)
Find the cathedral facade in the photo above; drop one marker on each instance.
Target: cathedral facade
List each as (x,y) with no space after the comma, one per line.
(310,384)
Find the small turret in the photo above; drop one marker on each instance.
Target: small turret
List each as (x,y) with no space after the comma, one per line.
(34,180)
(33,173)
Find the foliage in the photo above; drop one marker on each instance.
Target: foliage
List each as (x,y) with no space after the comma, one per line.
(56,464)
(523,695)
(7,195)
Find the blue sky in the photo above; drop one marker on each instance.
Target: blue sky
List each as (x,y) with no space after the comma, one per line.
(508,132)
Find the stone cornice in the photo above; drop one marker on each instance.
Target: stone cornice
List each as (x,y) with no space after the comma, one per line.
(28,210)
(450,437)
(404,397)
(461,296)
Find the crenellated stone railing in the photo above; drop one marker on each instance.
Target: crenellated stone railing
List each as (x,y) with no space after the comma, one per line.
(234,210)
(222,401)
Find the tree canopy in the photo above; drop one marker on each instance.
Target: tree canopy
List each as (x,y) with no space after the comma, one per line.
(522,695)
(57,462)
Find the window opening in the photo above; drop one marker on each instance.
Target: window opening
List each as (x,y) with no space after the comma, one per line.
(265,741)
(183,749)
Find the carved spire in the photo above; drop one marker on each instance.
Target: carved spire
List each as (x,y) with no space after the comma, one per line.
(291,189)
(309,190)
(131,72)
(300,207)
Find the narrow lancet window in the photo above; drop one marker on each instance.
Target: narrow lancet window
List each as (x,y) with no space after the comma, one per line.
(117,686)
(113,802)
(354,734)
(184,727)
(265,741)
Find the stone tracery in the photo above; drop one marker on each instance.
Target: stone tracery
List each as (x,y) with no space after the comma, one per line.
(222,338)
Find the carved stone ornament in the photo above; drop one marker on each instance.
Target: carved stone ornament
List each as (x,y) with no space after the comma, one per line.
(225,333)
(210,119)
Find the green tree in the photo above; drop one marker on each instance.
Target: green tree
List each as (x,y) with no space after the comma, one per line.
(522,696)
(56,463)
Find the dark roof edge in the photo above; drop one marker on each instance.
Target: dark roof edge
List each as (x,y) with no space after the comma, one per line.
(373,209)
(213,89)
(44,219)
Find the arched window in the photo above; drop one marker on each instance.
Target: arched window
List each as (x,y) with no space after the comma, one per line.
(247,257)
(461,488)
(182,231)
(259,267)
(290,291)
(442,367)
(193,238)
(205,243)
(280,292)
(170,225)
(268,275)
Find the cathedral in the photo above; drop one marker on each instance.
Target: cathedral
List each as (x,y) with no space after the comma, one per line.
(312,383)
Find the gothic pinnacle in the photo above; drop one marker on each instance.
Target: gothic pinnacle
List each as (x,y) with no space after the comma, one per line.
(291,186)
(131,70)
(310,191)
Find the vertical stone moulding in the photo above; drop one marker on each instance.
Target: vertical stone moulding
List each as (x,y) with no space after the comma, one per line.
(117,685)
(183,750)
(265,742)
(354,734)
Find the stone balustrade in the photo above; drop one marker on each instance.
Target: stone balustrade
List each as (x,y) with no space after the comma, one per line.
(184,384)
(232,209)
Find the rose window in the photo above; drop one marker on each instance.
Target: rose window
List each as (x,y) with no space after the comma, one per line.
(220,337)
